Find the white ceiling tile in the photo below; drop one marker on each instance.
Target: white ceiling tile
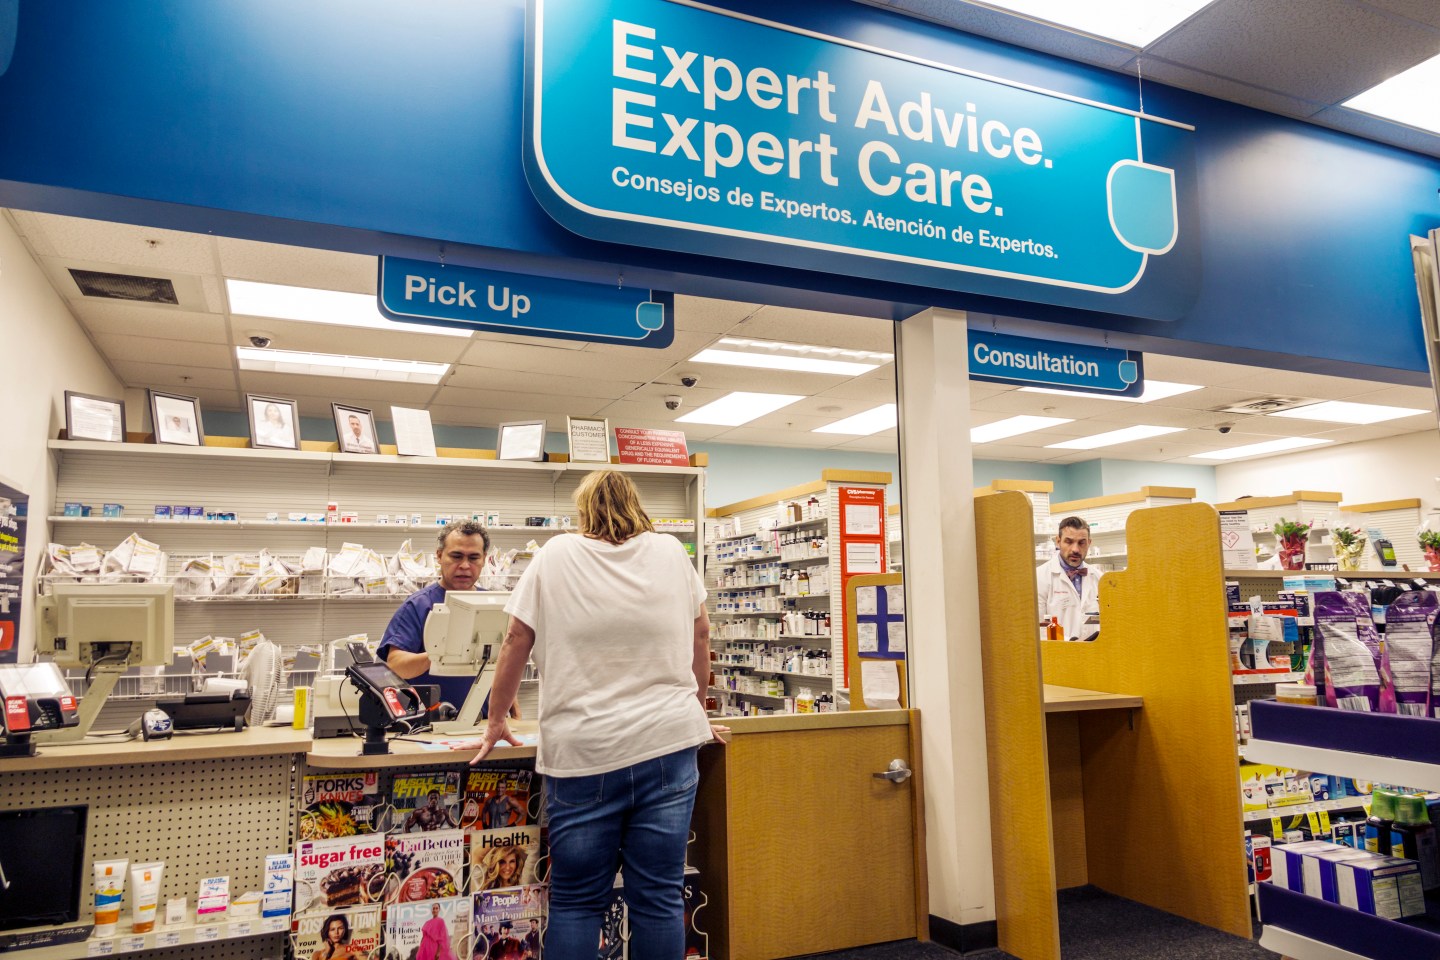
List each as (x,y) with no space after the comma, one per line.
(1009,451)
(489,378)
(169,376)
(1423,11)
(1377,431)
(721,377)
(555,343)
(1015,402)
(869,391)
(297,266)
(639,366)
(987,22)
(1207,398)
(1223,88)
(349,341)
(126,247)
(1295,47)
(138,320)
(686,344)
(1416,398)
(183,353)
(709,315)
(820,329)
(770,437)
(522,404)
(1157,416)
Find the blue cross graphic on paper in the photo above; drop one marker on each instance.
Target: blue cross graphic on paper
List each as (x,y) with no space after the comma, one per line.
(881,619)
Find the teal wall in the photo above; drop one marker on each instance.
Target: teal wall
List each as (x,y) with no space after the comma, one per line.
(1120,476)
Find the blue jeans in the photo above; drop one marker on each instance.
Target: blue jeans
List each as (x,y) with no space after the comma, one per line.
(639,816)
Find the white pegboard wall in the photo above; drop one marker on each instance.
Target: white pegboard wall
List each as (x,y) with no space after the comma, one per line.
(203,818)
(1399,527)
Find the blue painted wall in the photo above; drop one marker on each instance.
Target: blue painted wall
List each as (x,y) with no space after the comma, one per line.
(372,126)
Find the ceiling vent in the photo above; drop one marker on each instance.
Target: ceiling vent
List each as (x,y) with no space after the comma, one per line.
(120,286)
(1265,405)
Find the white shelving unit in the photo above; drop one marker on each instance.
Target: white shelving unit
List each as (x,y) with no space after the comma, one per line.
(1398,520)
(254,483)
(1379,747)
(750,515)
(1319,508)
(1106,516)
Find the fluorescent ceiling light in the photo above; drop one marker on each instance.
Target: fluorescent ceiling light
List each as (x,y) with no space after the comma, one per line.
(1012,427)
(733,409)
(775,355)
(251,299)
(1267,446)
(333,365)
(1408,97)
(1126,435)
(1154,390)
(1135,22)
(882,417)
(1341,411)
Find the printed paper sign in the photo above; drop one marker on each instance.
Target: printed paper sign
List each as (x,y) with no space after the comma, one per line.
(664,448)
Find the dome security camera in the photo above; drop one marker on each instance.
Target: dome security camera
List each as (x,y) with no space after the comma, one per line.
(689,380)
(1225,427)
(260,340)
(672,402)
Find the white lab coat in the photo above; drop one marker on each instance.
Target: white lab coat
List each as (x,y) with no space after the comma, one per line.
(1058,597)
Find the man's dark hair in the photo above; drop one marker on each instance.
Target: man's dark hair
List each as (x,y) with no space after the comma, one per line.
(1073,523)
(466,528)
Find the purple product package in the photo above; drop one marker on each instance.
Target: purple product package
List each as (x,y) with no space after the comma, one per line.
(1351,650)
(1409,649)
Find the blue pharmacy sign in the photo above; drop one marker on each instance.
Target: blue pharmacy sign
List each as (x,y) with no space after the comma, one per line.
(668,123)
(1002,358)
(417,291)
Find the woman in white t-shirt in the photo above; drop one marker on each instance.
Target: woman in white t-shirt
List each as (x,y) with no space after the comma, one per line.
(615,621)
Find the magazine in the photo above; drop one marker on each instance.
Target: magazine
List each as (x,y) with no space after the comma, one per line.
(495,799)
(339,872)
(425,801)
(507,923)
(338,805)
(504,858)
(428,930)
(696,940)
(338,934)
(424,866)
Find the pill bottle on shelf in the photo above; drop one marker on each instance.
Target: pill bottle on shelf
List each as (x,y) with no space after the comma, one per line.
(1301,694)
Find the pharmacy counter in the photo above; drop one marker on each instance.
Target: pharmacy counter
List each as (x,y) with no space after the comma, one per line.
(425,750)
(251,742)
(1060,699)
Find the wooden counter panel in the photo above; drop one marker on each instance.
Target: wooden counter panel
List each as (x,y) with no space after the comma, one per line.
(251,742)
(821,854)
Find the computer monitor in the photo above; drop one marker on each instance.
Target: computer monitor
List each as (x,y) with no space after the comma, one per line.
(460,629)
(32,895)
(461,634)
(105,628)
(132,624)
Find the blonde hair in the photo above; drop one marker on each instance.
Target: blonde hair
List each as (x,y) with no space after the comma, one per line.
(610,508)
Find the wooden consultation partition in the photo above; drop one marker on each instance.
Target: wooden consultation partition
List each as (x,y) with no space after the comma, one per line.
(1145,802)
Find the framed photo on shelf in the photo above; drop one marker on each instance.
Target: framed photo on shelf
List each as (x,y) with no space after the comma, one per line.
(589,439)
(274,422)
(355,429)
(94,418)
(176,419)
(521,440)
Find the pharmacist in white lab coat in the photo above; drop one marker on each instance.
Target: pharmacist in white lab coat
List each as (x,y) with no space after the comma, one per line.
(1066,586)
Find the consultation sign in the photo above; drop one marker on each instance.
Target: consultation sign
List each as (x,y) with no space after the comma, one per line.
(1002,358)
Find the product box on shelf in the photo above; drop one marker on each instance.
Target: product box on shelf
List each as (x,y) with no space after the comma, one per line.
(1387,887)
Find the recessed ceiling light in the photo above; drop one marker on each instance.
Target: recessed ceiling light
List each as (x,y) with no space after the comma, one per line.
(733,409)
(775,355)
(880,418)
(1136,22)
(1267,446)
(1141,432)
(1154,390)
(1012,427)
(305,305)
(1342,411)
(1408,97)
(334,365)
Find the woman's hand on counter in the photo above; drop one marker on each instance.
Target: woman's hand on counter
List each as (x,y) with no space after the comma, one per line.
(496,731)
(719,731)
